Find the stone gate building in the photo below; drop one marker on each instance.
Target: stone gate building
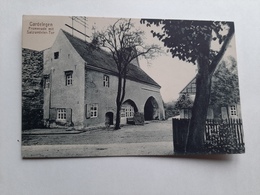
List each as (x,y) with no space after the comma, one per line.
(80,86)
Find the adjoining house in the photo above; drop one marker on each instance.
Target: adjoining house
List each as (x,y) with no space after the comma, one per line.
(80,86)
(228,110)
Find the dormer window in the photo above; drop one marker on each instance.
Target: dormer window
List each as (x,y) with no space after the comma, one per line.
(56,55)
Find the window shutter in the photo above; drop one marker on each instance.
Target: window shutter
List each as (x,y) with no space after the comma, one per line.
(224,113)
(53,114)
(87,110)
(69,115)
(238,110)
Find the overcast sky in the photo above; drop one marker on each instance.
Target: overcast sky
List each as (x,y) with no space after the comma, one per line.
(172,74)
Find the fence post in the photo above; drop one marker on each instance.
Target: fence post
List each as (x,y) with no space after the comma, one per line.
(180,133)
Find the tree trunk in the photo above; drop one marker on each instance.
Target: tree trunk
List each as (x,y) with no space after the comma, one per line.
(120,98)
(117,125)
(118,103)
(195,139)
(197,124)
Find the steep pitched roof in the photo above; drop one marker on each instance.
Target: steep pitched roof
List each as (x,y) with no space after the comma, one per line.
(101,59)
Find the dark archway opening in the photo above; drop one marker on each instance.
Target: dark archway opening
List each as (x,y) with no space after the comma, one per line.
(151,109)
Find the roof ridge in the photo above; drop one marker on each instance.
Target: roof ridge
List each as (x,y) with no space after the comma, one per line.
(102,59)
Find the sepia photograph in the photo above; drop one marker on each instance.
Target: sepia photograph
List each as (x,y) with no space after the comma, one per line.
(129,87)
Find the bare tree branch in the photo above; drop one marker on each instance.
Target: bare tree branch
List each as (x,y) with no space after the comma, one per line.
(125,44)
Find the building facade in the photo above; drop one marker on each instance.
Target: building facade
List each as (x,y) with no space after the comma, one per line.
(80,86)
(187,97)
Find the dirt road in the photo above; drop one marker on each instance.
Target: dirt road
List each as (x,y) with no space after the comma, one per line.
(154,138)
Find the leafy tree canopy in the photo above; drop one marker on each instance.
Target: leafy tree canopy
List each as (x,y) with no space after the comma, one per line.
(184,101)
(225,89)
(184,38)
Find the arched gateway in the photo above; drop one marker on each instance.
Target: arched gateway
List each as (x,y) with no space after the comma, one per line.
(151,109)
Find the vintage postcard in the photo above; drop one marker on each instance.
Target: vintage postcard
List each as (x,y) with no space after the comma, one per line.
(129,87)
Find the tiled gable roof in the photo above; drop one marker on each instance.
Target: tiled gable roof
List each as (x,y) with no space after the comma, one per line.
(101,59)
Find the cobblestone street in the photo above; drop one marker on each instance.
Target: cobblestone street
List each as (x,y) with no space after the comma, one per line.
(154,138)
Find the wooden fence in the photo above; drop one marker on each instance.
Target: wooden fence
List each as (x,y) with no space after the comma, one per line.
(229,131)
(218,133)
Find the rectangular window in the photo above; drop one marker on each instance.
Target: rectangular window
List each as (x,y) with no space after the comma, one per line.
(123,112)
(233,111)
(193,86)
(68,78)
(93,110)
(106,81)
(61,114)
(56,55)
(127,111)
